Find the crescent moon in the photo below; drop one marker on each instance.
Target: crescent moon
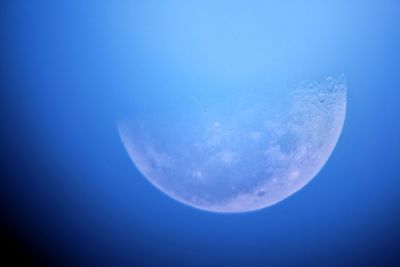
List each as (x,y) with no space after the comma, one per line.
(244,157)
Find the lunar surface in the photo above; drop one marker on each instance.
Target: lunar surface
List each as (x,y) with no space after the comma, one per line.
(237,152)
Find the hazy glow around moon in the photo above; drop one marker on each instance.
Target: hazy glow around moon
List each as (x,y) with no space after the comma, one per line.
(241,152)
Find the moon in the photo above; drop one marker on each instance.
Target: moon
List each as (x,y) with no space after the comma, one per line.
(238,152)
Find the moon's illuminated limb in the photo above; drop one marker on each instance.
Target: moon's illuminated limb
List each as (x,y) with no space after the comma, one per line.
(243,160)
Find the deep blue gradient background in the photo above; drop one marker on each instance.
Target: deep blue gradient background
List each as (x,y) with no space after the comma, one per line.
(71,196)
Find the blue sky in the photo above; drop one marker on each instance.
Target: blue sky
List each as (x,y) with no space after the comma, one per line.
(70,194)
